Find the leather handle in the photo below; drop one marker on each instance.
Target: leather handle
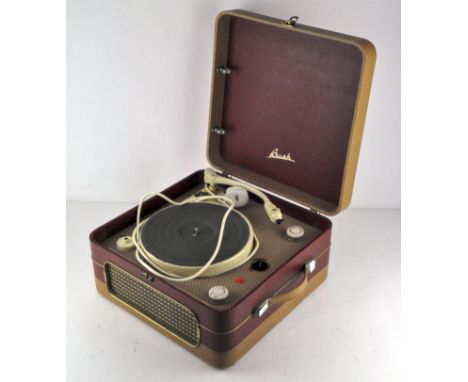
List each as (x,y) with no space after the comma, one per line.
(280,298)
(260,310)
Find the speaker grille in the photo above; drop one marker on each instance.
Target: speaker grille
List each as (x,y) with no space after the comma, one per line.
(159,308)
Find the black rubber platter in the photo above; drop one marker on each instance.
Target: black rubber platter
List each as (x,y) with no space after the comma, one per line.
(187,235)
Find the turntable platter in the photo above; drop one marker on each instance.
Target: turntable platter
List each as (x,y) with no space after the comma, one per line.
(185,236)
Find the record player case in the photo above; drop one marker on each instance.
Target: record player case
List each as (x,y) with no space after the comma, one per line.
(288,105)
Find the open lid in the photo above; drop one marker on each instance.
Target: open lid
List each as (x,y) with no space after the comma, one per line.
(288,105)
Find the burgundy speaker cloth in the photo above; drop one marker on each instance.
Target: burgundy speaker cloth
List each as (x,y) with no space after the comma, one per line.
(293,92)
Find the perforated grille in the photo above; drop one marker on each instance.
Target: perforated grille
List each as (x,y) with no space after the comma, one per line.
(155,305)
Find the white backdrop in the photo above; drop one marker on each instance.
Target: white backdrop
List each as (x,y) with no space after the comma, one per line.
(138,87)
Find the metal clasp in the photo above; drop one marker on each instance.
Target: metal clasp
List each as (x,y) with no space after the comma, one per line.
(262,308)
(310,265)
(147,276)
(292,21)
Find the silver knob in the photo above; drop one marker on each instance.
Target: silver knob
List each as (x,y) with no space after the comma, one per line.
(295,232)
(218,293)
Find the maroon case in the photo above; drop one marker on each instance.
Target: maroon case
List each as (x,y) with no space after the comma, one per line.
(221,334)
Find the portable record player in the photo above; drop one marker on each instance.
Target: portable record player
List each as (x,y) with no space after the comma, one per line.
(217,259)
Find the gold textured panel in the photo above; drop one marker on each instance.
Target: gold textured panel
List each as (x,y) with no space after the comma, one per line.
(158,307)
(227,359)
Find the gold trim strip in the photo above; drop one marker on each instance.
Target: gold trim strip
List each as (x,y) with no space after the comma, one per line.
(228,358)
(200,325)
(300,28)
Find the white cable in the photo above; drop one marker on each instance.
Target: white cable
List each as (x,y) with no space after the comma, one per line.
(257,242)
(148,257)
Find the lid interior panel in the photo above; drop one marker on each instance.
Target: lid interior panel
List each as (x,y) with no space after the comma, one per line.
(287,109)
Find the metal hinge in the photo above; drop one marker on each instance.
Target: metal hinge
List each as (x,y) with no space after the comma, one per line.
(311,210)
(223,70)
(218,130)
(261,309)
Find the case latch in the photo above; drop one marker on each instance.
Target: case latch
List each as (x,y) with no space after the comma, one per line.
(292,21)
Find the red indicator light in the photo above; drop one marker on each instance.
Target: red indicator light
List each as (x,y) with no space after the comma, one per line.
(239,280)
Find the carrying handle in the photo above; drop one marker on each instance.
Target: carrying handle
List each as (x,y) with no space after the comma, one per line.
(260,310)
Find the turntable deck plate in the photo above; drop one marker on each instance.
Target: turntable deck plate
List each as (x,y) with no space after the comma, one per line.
(187,235)
(275,248)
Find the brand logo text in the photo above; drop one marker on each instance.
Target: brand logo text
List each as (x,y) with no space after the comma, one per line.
(275,154)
